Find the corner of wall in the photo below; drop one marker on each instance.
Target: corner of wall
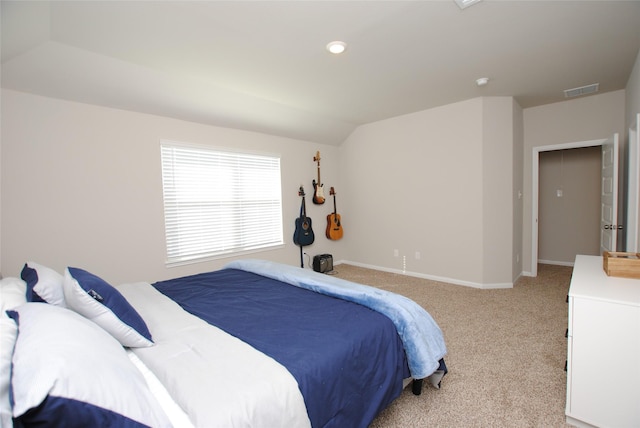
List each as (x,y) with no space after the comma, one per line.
(1,138)
(632,94)
(518,190)
(498,176)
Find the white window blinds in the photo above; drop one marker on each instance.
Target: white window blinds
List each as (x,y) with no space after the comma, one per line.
(219,202)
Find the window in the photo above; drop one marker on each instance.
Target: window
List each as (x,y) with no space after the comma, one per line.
(218,202)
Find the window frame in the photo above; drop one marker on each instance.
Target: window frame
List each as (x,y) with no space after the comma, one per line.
(176,257)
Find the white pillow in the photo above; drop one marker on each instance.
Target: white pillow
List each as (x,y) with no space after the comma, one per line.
(43,284)
(8,333)
(98,301)
(68,372)
(12,294)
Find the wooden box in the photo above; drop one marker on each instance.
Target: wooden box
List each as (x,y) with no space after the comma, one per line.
(626,265)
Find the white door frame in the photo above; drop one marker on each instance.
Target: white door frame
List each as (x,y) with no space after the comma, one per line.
(609,184)
(633,187)
(535,172)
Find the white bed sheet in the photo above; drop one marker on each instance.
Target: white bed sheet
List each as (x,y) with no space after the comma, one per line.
(217,379)
(176,415)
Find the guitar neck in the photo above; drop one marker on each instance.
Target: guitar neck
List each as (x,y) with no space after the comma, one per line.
(304,207)
(317,159)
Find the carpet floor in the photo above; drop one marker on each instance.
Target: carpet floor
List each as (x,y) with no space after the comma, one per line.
(506,351)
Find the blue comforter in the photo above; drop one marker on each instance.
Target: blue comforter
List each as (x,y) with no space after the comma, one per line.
(329,345)
(422,338)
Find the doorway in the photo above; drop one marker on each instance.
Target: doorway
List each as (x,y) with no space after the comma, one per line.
(569,204)
(535,191)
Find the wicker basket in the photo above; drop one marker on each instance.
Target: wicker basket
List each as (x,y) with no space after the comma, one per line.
(626,265)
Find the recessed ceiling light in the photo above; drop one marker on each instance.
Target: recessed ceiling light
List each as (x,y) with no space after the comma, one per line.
(482,81)
(465,3)
(337,47)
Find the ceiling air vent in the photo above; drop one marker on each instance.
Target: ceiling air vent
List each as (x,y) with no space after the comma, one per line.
(462,4)
(582,90)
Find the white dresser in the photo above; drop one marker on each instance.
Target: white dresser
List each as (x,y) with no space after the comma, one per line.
(603,353)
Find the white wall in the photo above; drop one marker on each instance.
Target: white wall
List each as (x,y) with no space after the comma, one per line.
(81,186)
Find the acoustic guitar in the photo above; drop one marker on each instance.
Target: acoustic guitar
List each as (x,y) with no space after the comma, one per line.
(318,192)
(334,227)
(303,234)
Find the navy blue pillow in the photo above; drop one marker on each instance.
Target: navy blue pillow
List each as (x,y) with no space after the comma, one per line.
(59,412)
(95,299)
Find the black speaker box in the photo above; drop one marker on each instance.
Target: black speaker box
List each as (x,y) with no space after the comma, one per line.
(323,263)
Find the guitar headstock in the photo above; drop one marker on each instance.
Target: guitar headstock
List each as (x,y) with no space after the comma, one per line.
(316,158)
(301,191)
(331,191)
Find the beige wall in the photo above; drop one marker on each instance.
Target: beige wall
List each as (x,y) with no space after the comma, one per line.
(582,119)
(633,94)
(81,186)
(517,189)
(413,186)
(437,183)
(632,110)
(498,157)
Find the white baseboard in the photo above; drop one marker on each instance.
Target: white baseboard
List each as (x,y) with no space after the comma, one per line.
(430,277)
(552,262)
(578,423)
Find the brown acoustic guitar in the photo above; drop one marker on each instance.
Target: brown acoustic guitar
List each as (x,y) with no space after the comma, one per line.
(334,226)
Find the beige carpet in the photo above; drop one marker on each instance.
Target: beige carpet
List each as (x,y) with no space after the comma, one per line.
(506,351)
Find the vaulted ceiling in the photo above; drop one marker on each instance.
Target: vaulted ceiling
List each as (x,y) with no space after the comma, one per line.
(262,65)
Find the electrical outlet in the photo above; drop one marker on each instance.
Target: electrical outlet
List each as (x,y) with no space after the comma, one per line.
(396,253)
(418,255)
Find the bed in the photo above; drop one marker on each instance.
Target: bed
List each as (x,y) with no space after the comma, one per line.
(256,344)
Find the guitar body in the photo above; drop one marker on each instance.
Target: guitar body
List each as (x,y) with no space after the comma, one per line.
(318,193)
(303,234)
(334,226)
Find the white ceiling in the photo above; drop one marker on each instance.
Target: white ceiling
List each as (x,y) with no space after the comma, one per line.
(262,65)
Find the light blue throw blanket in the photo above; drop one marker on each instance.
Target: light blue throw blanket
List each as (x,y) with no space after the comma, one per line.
(421,336)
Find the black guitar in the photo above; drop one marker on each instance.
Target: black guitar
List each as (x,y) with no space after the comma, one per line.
(303,234)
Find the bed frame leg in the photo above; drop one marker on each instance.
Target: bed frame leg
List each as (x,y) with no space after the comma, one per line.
(416,386)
